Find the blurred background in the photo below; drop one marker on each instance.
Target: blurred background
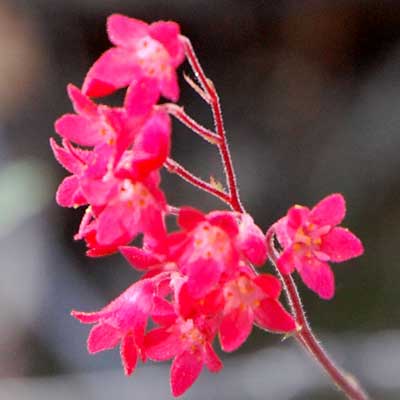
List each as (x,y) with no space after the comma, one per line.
(311,98)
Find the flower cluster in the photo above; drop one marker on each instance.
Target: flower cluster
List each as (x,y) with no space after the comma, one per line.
(200,281)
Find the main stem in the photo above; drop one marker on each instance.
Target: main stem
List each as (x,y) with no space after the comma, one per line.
(304,335)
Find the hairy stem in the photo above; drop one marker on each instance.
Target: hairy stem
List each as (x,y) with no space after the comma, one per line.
(180,115)
(304,335)
(176,168)
(212,94)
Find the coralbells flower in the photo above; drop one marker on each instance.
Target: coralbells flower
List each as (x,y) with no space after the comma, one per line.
(311,238)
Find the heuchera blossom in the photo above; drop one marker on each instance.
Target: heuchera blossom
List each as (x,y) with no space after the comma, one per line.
(122,321)
(153,50)
(119,177)
(311,238)
(186,334)
(250,299)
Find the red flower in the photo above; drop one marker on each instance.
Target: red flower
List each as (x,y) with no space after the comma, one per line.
(152,50)
(249,299)
(310,238)
(210,246)
(186,335)
(122,321)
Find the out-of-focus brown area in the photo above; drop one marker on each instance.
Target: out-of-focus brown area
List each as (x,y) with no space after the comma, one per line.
(311,98)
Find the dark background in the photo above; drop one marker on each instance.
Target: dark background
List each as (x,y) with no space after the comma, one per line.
(311,97)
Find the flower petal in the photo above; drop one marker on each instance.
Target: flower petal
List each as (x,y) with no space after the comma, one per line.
(318,276)
(79,130)
(252,241)
(115,69)
(69,193)
(152,147)
(102,337)
(129,354)
(161,345)
(272,316)
(211,359)
(167,33)
(224,220)
(139,258)
(341,245)
(269,284)
(185,369)
(82,104)
(203,274)
(296,217)
(189,218)
(70,161)
(235,328)
(141,96)
(287,261)
(329,211)
(125,31)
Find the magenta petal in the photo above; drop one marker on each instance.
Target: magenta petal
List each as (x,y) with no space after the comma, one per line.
(203,275)
(329,211)
(318,277)
(161,345)
(189,218)
(102,337)
(167,33)
(281,232)
(296,217)
(129,354)
(115,69)
(211,359)
(86,318)
(125,31)
(235,328)
(269,284)
(138,258)
(185,369)
(341,245)
(82,104)
(69,194)
(67,159)
(169,85)
(272,316)
(153,145)
(141,96)
(252,241)
(78,129)
(224,220)
(287,261)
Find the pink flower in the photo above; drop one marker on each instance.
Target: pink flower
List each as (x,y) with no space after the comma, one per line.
(122,321)
(131,208)
(210,246)
(186,339)
(152,50)
(249,299)
(310,238)
(137,122)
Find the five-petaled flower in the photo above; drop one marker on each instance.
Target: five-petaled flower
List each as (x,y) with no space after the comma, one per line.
(311,238)
(153,50)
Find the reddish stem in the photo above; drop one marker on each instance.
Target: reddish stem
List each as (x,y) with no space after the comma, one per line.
(180,114)
(346,382)
(175,168)
(212,94)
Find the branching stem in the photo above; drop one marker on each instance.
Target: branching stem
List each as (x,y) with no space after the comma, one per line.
(304,335)
(175,168)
